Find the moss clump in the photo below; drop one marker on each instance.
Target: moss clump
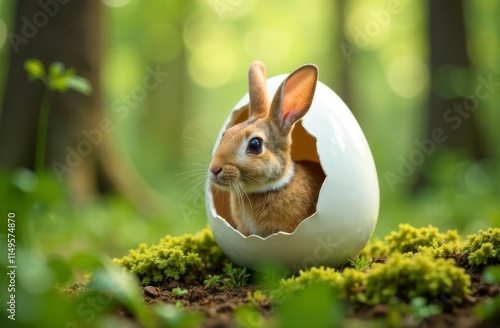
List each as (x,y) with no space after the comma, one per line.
(185,258)
(376,248)
(409,239)
(408,277)
(401,277)
(322,275)
(419,264)
(443,250)
(483,248)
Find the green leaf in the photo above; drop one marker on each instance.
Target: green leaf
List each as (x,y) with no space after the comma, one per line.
(172,316)
(56,69)
(60,269)
(177,291)
(489,309)
(317,303)
(69,73)
(59,77)
(420,309)
(80,84)
(108,277)
(248,316)
(492,274)
(35,69)
(58,83)
(24,180)
(88,260)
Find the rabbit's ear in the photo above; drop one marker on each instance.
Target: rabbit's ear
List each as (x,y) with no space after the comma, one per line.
(294,97)
(259,100)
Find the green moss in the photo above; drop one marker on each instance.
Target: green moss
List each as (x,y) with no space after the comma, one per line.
(441,250)
(402,277)
(376,248)
(314,275)
(185,258)
(352,285)
(409,239)
(419,275)
(419,264)
(483,248)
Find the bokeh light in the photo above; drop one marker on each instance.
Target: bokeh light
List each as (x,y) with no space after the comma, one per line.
(407,76)
(268,44)
(212,55)
(212,65)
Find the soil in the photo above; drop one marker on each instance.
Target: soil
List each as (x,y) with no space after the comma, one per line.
(219,305)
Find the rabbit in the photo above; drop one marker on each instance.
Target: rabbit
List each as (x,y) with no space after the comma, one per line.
(268,191)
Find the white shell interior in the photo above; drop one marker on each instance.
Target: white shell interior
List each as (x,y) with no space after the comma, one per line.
(348,204)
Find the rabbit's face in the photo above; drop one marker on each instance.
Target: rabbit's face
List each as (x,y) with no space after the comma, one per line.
(252,157)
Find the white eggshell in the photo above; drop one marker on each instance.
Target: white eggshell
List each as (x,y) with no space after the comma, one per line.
(348,204)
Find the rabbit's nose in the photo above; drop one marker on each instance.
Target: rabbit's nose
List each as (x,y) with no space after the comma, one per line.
(215,170)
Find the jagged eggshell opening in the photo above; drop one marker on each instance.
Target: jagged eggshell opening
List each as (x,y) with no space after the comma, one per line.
(348,204)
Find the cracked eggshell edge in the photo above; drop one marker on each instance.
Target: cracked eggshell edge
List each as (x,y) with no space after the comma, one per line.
(348,204)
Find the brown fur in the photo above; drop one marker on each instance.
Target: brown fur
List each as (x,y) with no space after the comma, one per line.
(285,208)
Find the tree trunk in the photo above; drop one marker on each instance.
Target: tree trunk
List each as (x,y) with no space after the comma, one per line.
(79,147)
(348,55)
(447,35)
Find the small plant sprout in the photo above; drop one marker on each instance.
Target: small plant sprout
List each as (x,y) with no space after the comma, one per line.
(178,292)
(59,79)
(420,309)
(212,281)
(490,309)
(360,263)
(257,298)
(236,277)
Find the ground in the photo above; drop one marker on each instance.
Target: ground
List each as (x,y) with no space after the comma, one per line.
(218,306)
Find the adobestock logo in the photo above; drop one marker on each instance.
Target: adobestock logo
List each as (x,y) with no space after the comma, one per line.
(417,157)
(84,148)
(454,117)
(30,27)
(150,81)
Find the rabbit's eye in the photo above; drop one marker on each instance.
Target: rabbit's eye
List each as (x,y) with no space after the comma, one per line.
(254,146)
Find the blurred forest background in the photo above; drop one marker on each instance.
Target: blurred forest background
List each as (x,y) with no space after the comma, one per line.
(167,73)
(421,77)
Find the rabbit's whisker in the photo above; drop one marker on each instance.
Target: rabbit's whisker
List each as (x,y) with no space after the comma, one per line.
(195,183)
(195,141)
(187,175)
